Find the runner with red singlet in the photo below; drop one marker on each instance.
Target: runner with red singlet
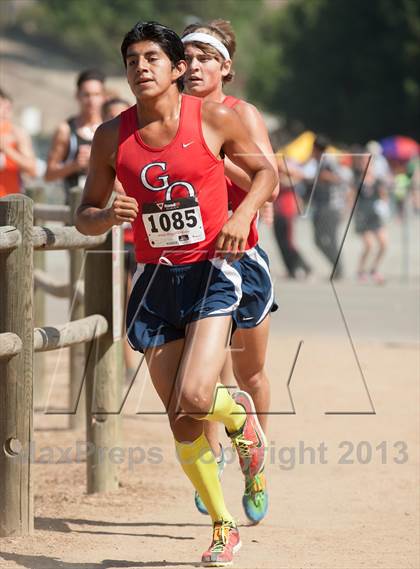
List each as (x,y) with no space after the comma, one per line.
(209,50)
(166,153)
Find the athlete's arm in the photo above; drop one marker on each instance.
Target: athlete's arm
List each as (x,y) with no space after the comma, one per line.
(93,217)
(223,129)
(257,131)
(56,167)
(23,155)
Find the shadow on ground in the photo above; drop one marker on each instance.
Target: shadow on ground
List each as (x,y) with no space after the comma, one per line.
(44,562)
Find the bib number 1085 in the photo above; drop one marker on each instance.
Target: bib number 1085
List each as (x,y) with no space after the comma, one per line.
(177,220)
(173,223)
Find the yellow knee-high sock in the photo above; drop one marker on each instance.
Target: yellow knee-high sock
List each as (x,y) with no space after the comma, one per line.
(225,410)
(199,464)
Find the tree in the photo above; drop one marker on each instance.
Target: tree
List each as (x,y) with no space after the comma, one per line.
(349,69)
(93,30)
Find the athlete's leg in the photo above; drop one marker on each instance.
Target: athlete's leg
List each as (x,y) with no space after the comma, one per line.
(326,222)
(248,365)
(227,376)
(202,362)
(199,394)
(280,232)
(212,431)
(185,372)
(193,450)
(367,240)
(382,240)
(163,363)
(211,428)
(249,348)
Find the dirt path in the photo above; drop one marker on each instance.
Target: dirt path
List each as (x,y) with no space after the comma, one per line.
(321,515)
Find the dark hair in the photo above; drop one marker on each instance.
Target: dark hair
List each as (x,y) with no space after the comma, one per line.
(113,101)
(90,75)
(4,95)
(166,38)
(321,142)
(221,30)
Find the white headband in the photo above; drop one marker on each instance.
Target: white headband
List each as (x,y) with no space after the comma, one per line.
(207,38)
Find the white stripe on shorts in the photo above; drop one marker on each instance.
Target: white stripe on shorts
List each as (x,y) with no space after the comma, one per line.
(255,256)
(233,275)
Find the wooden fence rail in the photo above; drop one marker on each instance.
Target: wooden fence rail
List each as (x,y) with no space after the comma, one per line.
(50,338)
(55,238)
(10,238)
(50,212)
(76,332)
(18,341)
(10,345)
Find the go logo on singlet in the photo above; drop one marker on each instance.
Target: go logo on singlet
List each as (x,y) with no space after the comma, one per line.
(164,178)
(173,222)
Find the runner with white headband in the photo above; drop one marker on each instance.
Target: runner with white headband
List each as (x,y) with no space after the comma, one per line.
(208,39)
(209,49)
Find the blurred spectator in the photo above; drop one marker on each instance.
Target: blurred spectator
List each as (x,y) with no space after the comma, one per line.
(401,188)
(113,107)
(378,162)
(69,154)
(327,201)
(371,213)
(285,212)
(413,171)
(16,152)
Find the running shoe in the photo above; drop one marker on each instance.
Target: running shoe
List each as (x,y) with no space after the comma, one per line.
(249,442)
(221,466)
(362,277)
(377,278)
(255,498)
(226,542)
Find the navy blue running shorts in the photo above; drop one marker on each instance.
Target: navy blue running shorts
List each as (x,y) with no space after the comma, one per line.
(165,298)
(257,289)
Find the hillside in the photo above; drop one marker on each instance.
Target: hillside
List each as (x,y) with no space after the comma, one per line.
(35,76)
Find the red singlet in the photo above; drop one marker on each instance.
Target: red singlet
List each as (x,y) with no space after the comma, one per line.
(180,189)
(10,182)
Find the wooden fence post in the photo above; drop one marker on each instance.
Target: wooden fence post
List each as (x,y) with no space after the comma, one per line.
(16,373)
(77,306)
(103,378)
(37,194)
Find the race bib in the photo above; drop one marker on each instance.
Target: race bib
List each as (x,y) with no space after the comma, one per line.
(173,223)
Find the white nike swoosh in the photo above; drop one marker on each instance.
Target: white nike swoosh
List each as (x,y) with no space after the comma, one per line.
(248,318)
(187,144)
